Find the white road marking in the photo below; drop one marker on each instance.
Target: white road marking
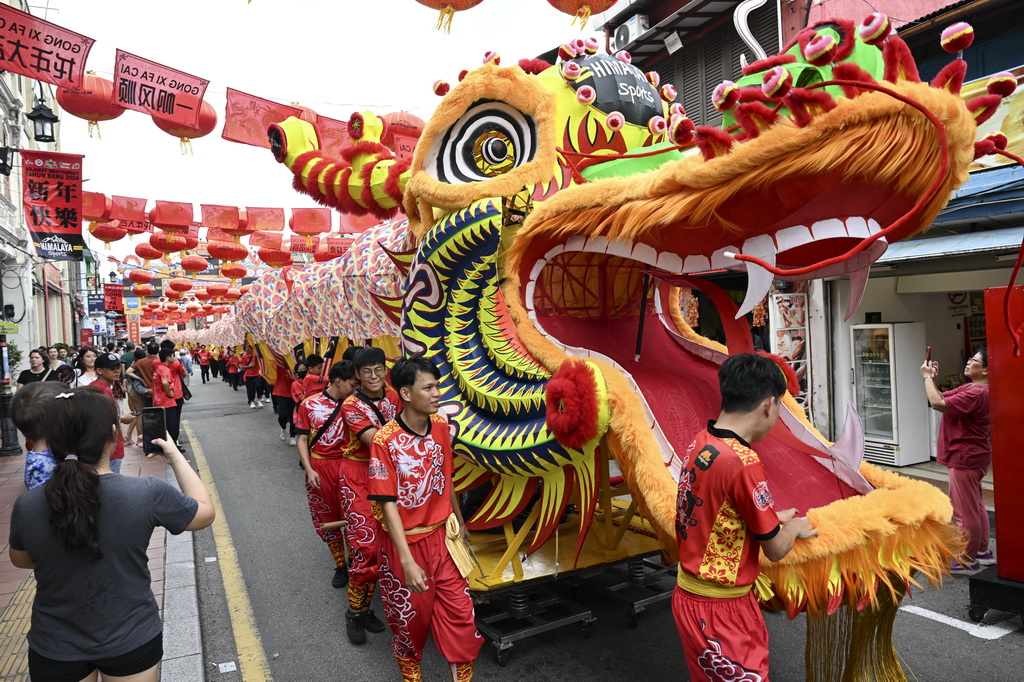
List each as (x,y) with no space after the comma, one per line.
(981,631)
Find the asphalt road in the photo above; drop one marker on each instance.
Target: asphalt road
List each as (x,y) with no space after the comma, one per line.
(299,617)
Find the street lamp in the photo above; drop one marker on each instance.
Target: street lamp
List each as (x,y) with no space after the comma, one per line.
(43,119)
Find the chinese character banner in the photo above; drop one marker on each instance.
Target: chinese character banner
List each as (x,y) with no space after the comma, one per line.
(52,189)
(42,51)
(158,90)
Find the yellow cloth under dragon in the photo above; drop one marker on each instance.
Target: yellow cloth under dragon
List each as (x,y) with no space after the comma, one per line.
(522,267)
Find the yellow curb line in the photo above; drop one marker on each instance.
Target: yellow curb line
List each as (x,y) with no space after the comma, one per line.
(251,657)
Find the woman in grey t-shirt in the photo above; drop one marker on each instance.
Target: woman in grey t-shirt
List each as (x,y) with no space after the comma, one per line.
(86,533)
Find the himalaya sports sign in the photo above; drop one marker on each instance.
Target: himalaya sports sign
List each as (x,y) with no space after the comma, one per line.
(52,190)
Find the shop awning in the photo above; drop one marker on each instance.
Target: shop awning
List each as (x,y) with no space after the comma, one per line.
(974,243)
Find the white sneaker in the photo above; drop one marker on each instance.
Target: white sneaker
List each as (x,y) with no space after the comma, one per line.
(266,400)
(252,406)
(284,433)
(291,441)
(259,404)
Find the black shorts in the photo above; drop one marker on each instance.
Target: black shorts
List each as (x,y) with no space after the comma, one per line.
(43,669)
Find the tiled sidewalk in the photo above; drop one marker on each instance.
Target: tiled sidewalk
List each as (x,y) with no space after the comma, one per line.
(18,586)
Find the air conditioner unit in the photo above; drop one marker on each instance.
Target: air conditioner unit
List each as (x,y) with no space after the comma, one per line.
(628,32)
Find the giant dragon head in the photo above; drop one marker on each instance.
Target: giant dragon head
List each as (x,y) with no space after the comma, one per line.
(557,213)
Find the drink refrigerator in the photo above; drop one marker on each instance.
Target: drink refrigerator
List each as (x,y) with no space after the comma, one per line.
(888,391)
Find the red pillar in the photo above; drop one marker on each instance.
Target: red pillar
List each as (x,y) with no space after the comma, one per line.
(1006,376)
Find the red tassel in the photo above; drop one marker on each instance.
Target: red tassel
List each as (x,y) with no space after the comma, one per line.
(712,142)
(899,63)
(572,404)
(848,71)
(983,107)
(951,77)
(533,66)
(805,104)
(769,63)
(754,118)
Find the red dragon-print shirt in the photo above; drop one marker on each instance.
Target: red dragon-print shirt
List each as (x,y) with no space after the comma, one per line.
(414,471)
(724,509)
(359,417)
(312,414)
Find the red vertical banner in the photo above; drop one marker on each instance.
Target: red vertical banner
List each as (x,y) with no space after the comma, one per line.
(42,51)
(158,90)
(113,297)
(135,329)
(246,118)
(52,190)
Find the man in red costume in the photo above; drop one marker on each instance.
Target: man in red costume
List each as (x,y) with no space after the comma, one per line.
(411,476)
(725,516)
(322,441)
(372,406)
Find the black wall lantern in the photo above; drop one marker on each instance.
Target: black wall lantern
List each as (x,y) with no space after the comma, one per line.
(43,120)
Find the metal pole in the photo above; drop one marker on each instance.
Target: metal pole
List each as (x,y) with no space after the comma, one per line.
(10,446)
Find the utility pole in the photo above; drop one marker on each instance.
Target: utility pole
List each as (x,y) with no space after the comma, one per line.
(10,446)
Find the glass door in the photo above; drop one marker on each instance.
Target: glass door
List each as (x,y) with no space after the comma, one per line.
(872,381)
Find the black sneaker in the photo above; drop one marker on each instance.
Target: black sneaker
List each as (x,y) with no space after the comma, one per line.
(340,578)
(371,622)
(354,627)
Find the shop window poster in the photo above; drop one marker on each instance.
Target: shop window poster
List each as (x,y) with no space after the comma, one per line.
(789,339)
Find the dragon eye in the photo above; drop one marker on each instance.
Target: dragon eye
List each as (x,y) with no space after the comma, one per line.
(489,140)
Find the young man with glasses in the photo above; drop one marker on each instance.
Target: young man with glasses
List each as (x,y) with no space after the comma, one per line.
(965,448)
(372,406)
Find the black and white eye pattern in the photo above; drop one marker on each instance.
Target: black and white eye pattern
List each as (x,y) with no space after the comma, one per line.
(489,140)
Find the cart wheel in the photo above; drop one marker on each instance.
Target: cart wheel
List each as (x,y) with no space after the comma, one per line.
(501,656)
(976,613)
(586,627)
(631,617)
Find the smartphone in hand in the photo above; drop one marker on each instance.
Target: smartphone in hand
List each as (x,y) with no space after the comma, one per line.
(154,425)
(928,354)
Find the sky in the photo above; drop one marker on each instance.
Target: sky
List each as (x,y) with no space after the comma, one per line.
(335,56)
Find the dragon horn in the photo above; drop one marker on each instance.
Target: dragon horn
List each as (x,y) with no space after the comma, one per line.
(366,179)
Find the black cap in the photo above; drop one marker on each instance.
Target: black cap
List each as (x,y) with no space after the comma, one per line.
(107,361)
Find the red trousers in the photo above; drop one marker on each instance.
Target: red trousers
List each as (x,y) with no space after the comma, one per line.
(969,508)
(723,639)
(445,609)
(342,496)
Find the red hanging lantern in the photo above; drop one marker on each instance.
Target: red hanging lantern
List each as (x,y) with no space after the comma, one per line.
(201,294)
(94,103)
(233,271)
(180,284)
(217,289)
(309,222)
(140,276)
(227,251)
(275,258)
(204,126)
(170,242)
(208,309)
(107,232)
(142,290)
(146,252)
(581,10)
(194,263)
(401,123)
(152,305)
(170,307)
(448,8)
(172,294)
(192,306)
(233,294)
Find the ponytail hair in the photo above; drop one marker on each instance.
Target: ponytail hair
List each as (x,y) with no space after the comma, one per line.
(80,432)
